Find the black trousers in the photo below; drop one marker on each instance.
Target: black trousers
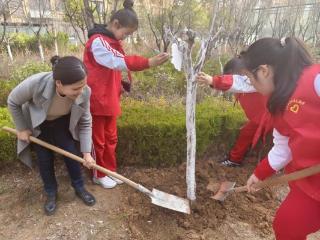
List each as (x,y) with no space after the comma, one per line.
(56,132)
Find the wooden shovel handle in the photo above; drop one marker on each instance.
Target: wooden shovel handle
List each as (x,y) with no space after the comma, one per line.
(76,158)
(284,178)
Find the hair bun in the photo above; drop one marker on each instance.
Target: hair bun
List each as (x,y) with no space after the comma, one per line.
(54,60)
(128,4)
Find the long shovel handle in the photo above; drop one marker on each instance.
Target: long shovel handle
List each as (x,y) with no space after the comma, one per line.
(81,160)
(283,179)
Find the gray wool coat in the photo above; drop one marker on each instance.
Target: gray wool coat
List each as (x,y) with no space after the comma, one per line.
(29,103)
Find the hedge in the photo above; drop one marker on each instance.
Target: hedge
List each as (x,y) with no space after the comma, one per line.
(19,74)
(154,133)
(26,42)
(7,140)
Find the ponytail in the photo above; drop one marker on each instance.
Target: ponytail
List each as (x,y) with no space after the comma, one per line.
(288,57)
(127,17)
(68,69)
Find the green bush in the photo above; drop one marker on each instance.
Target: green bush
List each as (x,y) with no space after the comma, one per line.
(154,134)
(74,48)
(8,141)
(166,81)
(5,88)
(22,42)
(18,75)
(30,68)
(161,81)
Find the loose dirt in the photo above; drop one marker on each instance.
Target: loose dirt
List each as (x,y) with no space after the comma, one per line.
(123,213)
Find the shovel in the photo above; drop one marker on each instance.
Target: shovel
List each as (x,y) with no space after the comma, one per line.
(159,198)
(228,187)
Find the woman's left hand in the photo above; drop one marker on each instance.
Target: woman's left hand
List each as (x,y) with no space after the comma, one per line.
(88,160)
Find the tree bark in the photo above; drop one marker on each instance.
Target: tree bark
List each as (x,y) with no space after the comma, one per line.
(89,19)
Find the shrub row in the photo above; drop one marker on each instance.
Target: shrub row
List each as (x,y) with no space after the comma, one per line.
(19,74)
(22,42)
(7,140)
(154,133)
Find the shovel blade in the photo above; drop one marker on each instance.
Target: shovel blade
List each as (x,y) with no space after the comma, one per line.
(170,201)
(223,191)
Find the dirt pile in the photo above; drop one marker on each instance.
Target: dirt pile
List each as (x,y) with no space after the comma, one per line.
(207,215)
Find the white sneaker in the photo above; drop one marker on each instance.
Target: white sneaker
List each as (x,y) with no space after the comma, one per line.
(118,181)
(105,182)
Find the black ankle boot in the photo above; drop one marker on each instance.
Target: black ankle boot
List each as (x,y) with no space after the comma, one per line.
(85,196)
(50,205)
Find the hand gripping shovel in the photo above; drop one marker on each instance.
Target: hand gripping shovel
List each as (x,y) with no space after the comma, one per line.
(157,197)
(229,187)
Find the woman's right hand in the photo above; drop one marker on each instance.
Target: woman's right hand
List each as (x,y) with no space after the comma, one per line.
(24,135)
(158,59)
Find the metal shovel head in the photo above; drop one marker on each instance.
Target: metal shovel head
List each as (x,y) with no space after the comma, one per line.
(170,201)
(223,191)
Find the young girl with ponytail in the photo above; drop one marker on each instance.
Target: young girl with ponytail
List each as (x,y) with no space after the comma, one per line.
(282,69)
(105,58)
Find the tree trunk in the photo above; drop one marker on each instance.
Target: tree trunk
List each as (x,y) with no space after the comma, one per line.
(191,126)
(88,15)
(41,51)
(4,28)
(9,52)
(56,48)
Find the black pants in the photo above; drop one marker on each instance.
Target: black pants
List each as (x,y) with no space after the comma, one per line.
(56,132)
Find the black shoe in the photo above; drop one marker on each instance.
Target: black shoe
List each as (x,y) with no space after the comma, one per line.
(86,197)
(228,163)
(50,205)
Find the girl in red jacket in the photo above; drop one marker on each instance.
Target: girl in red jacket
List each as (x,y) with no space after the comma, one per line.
(283,70)
(253,104)
(105,59)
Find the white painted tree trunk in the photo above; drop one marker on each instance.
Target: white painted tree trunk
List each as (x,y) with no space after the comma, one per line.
(191,126)
(191,138)
(56,47)
(41,52)
(185,46)
(9,52)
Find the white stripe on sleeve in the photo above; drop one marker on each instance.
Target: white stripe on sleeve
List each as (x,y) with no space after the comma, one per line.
(241,84)
(317,84)
(280,154)
(106,56)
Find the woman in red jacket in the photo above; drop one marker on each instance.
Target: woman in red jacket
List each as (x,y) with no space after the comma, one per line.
(283,70)
(253,104)
(105,59)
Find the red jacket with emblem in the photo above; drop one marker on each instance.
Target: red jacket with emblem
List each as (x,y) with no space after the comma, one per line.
(301,126)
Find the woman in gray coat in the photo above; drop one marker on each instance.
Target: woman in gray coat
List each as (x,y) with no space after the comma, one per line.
(54,106)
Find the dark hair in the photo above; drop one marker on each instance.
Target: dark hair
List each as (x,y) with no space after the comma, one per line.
(288,57)
(68,69)
(234,66)
(127,17)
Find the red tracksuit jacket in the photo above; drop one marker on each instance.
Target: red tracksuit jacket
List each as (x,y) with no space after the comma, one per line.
(298,130)
(104,73)
(252,102)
